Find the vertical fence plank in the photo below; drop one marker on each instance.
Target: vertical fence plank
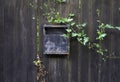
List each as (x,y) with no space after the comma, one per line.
(1,40)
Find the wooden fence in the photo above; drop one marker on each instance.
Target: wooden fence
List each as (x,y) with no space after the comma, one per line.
(18,42)
(82,65)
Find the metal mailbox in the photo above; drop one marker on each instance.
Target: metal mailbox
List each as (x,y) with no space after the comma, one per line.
(53,41)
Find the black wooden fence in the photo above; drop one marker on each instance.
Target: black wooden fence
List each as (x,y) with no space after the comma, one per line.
(18,44)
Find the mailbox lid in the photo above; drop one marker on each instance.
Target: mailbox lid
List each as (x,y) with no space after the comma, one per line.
(54,29)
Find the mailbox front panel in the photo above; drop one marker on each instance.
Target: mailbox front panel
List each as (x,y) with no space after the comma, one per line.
(54,42)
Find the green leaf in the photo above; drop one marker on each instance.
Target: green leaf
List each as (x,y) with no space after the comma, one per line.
(97,45)
(50,19)
(33,17)
(101,36)
(72,24)
(71,15)
(69,19)
(98,32)
(45,5)
(118,28)
(84,24)
(98,21)
(98,12)
(79,40)
(64,20)
(102,25)
(100,52)
(57,15)
(68,30)
(79,34)
(61,1)
(108,26)
(36,62)
(119,9)
(65,35)
(74,34)
(86,39)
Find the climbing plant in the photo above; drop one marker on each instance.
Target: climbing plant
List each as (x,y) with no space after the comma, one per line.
(75,30)
(78,31)
(41,72)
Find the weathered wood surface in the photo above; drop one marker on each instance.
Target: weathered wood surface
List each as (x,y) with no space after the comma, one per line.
(17,42)
(82,65)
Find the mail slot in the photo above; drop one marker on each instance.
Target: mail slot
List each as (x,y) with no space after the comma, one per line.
(54,42)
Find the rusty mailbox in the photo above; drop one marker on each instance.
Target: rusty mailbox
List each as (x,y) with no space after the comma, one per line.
(54,42)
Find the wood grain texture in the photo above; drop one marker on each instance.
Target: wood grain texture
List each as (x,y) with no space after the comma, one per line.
(82,65)
(18,42)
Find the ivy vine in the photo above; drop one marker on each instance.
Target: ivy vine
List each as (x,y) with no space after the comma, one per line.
(75,30)
(78,31)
